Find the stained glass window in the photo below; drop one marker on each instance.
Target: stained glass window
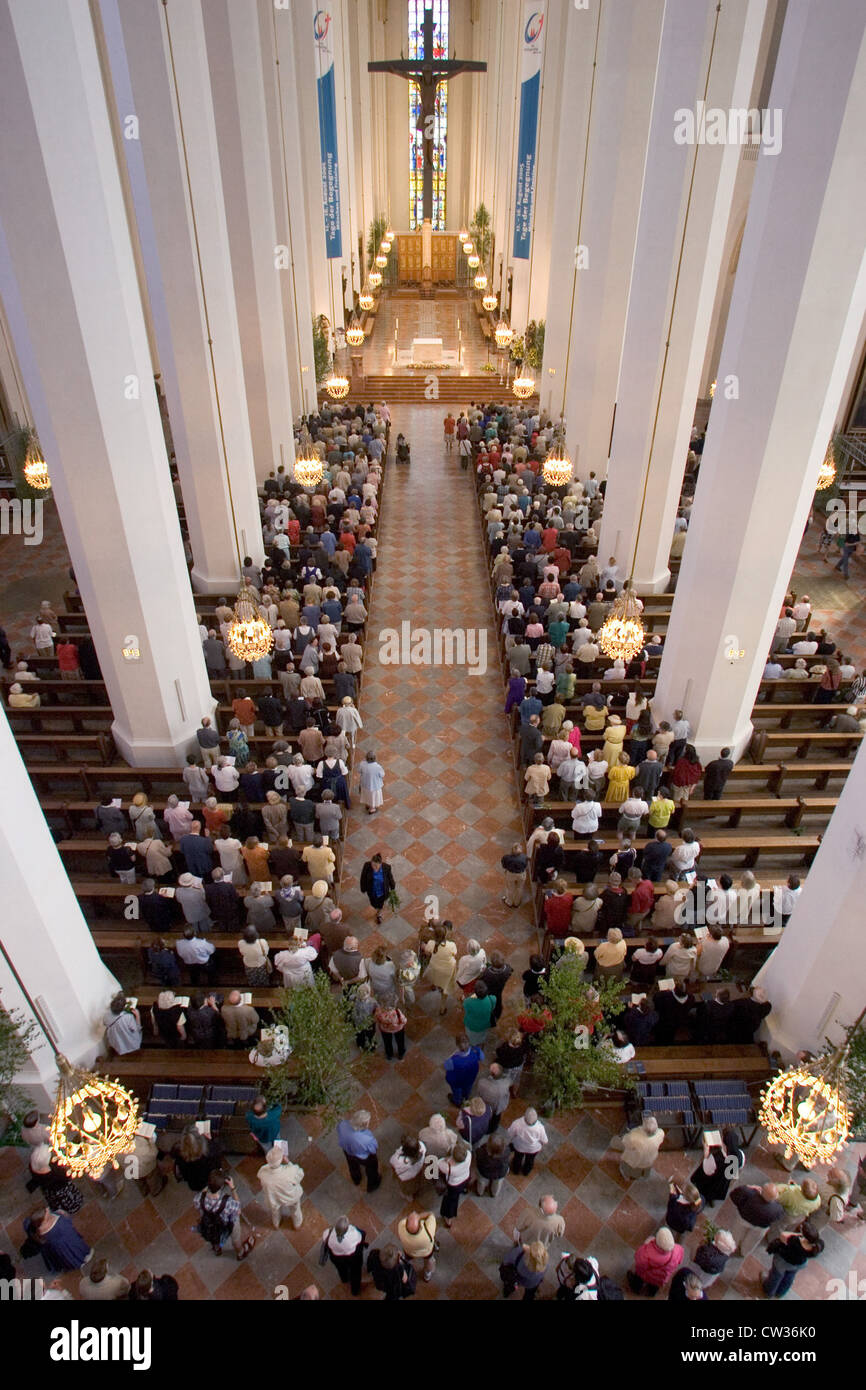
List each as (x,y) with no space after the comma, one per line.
(440,130)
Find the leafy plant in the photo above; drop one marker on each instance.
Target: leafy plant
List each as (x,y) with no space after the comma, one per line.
(481,233)
(18,1037)
(709,1231)
(378,228)
(518,348)
(394,900)
(855,1078)
(535,343)
(321,1035)
(321,351)
(565,1070)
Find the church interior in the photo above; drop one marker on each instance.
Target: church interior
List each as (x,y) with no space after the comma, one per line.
(433,849)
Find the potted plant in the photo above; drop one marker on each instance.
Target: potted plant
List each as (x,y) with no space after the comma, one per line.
(18,1036)
(321,350)
(481,233)
(378,228)
(535,344)
(318,1076)
(568,1061)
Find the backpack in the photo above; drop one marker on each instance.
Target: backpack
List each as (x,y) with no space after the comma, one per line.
(608,1291)
(212,1227)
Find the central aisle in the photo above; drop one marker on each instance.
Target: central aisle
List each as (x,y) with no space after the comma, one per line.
(450,808)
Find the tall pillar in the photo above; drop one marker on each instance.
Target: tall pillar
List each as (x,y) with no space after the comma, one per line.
(708,53)
(44,933)
(177,190)
(627,57)
(816,976)
(69,288)
(235,52)
(285,151)
(796,312)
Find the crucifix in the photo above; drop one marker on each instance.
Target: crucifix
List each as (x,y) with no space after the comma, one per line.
(428,71)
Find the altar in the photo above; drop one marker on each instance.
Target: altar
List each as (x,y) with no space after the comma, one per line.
(427,350)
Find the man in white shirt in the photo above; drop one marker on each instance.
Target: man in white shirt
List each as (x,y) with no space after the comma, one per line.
(226,777)
(802,612)
(540,834)
(527,1137)
(300,774)
(773,671)
(685,856)
(805,647)
(281,1181)
(572,775)
(785,898)
(196,952)
(295,963)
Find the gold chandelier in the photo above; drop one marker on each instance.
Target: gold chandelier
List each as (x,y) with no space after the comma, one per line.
(468,246)
(375,278)
(489,302)
(381,260)
(355,334)
(480,281)
(366,300)
(805,1108)
(503,334)
(94,1120)
(523,387)
(712,389)
(309,469)
(337,386)
(36,469)
(622,633)
(557,468)
(826,473)
(249,636)
(474,261)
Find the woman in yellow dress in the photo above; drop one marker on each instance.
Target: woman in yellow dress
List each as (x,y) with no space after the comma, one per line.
(442,968)
(618,779)
(614,737)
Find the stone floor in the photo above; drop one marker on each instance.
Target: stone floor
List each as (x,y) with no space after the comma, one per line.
(450,812)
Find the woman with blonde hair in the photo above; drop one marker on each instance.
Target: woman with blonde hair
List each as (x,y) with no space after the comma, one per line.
(618,779)
(143,818)
(614,738)
(349,720)
(441,971)
(524,1267)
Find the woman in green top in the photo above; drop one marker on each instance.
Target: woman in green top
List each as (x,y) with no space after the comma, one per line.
(478,1010)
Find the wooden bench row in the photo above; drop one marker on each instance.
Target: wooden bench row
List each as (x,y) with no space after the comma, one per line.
(792,811)
(724,848)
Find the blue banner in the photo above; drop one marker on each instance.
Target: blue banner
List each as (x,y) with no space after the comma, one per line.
(527,139)
(326,92)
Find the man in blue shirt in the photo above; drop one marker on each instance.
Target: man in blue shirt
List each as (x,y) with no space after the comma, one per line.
(197,851)
(361,1149)
(264,1123)
(529,706)
(461,1069)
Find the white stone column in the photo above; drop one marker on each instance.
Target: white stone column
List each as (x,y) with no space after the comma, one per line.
(627,58)
(69,288)
(44,933)
(177,189)
(816,976)
(236,58)
(708,54)
(286,161)
(796,312)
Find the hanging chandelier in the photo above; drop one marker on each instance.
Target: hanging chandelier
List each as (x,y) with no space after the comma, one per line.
(337,386)
(381,260)
(94,1121)
(557,468)
(386,243)
(249,637)
(826,473)
(355,334)
(523,387)
(622,633)
(503,334)
(375,278)
(474,261)
(489,302)
(366,300)
(805,1108)
(463,234)
(309,469)
(468,246)
(36,469)
(480,281)
(712,389)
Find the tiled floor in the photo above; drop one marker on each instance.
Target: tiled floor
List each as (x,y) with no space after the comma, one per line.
(450,811)
(450,316)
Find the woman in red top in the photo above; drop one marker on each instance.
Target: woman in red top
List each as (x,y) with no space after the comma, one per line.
(294,530)
(549,538)
(67,659)
(641,900)
(557,911)
(686,774)
(830,682)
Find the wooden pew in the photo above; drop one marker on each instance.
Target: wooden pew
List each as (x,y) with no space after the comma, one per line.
(205,1067)
(64,747)
(803,742)
(720,845)
(791,810)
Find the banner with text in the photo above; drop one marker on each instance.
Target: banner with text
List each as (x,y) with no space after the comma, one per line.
(532,40)
(325,89)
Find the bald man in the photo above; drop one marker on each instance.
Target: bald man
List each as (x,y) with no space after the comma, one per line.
(545,1224)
